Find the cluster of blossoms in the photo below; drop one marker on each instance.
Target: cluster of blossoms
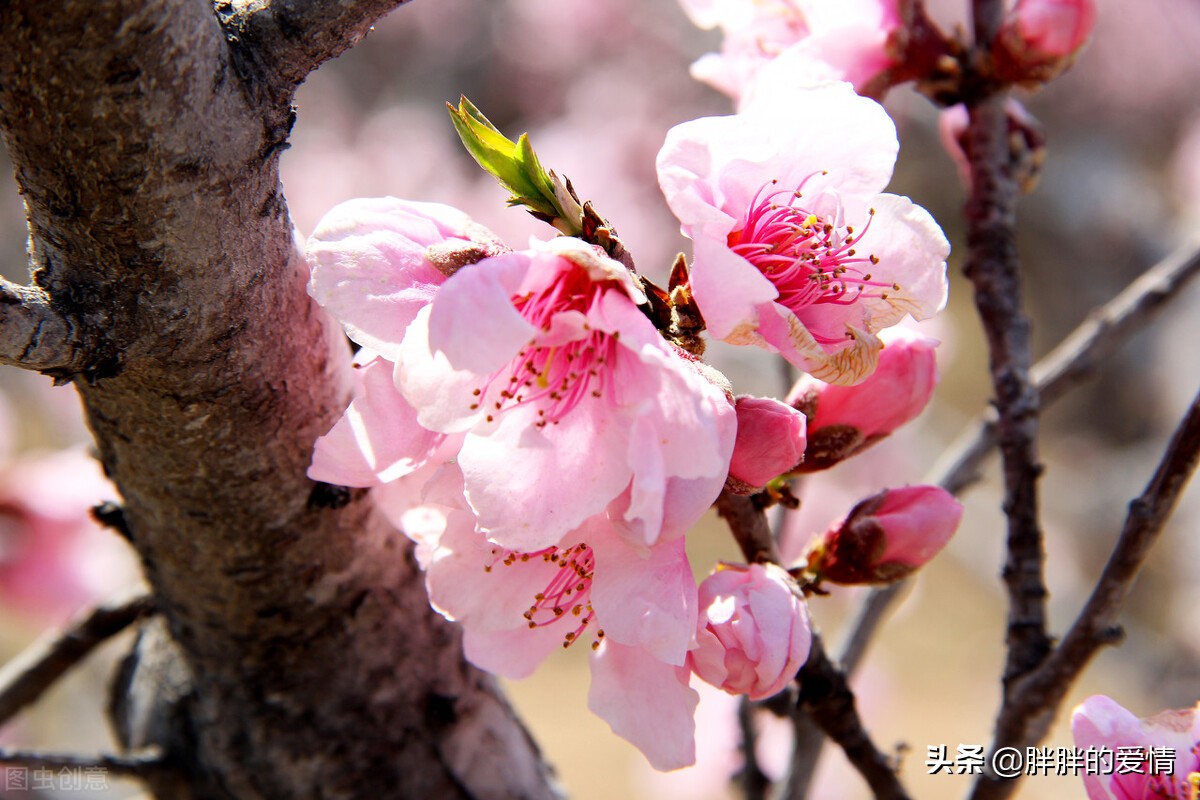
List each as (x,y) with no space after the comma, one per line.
(525,421)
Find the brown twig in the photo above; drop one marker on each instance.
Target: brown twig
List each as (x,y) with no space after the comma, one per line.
(827,699)
(1032,702)
(754,782)
(993,268)
(25,678)
(748,523)
(32,334)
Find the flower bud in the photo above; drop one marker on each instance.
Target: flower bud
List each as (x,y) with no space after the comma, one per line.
(887,536)
(770,441)
(753,634)
(1041,38)
(842,420)
(1026,143)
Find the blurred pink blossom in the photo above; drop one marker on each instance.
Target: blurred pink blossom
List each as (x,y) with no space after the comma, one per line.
(802,41)
(1101,722)
(770,441)
(843,420)
(753,633)
(887,536)
(795,249)
(1040,38)
(54,558)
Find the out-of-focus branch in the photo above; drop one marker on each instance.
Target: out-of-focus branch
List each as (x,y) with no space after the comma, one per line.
(131,766)
(285,40)
(994,270)
(32,334)
(26,677)
(1032,702)
(752,779)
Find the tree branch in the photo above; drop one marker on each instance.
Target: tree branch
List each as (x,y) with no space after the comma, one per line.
(146,145)
(748,523)
(33,335)
(824,694)
(827,699)
(285,40)
(993,268)
(1033,701)
(26,677)
(1064,367)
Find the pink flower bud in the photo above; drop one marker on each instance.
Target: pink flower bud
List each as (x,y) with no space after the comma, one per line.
(770,441)
(887,536)
(1026,143)
(1040,38)
(753,634)
(842,420)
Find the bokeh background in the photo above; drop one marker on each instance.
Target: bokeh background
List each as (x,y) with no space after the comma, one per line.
(597,83)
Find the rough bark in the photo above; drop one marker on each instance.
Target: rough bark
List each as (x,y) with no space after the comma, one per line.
(145,136)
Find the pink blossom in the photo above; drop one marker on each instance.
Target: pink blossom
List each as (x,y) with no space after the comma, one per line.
(842,420)
(795,249)
(753,633)
(770,441)
(809,40)
(564,388)
(1101,722)
(636,607)
(536,368)
(887,536)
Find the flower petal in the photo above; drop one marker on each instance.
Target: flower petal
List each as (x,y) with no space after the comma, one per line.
(646,702)
(377,439)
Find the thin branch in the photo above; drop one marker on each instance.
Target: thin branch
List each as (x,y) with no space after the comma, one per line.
(806,754)
(1033,701)
(753,780)
(994,270)
(824,694)
(748,522)
(137,765)
(25,678)
(828,700)
(285,40)
(1063,368)
(32,334)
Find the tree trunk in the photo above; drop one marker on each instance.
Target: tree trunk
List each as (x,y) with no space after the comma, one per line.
(299,656)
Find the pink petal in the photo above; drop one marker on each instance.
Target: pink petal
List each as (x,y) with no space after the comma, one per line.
(377,439)
(646,702)
(645,600)
(473,320)
(554,477)
(369,268)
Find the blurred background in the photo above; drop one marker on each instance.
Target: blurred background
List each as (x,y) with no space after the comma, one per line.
(597,83)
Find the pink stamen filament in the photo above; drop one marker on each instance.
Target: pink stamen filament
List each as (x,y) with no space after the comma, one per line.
(809,260)
(567,595)
(557,378)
